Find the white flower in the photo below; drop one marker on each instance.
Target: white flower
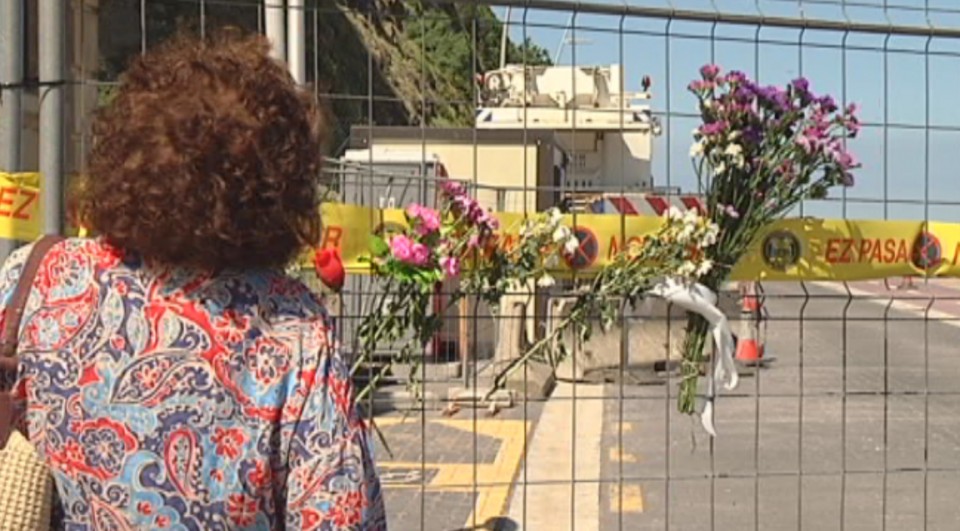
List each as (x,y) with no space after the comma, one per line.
(555,216)
(686,234)
(687,269)
(527,229)
(674,213)
(734,150)
(546,281)
(571,245)
(704,267)
(696,149)
(710,235)
(733,135)
(561,234)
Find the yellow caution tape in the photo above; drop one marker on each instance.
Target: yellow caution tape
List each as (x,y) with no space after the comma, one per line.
(792,249)
(20,211)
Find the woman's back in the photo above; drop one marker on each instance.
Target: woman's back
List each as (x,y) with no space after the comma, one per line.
(168,399)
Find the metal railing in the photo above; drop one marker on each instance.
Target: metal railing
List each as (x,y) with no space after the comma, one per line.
(853,422)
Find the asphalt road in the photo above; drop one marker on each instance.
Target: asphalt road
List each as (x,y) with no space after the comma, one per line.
(855,424)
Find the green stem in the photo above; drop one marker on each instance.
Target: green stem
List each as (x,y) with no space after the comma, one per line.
(693,358)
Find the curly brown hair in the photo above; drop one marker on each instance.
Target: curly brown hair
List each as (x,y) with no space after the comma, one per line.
(207,157)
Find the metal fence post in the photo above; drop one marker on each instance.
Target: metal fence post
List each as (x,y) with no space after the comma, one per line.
(51,24)
(275,29)
(11,73)
(296,41)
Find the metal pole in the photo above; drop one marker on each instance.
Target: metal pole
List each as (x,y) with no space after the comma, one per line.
(275,29)
(504,38)
(51,17)
(296,49)
(745,19)
(11,72)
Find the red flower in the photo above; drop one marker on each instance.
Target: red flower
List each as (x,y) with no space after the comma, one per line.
(228,442)
(329,268)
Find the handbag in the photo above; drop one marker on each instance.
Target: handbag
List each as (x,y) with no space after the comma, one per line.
(26,486)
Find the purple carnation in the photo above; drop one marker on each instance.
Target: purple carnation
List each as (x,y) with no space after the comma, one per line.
(827,104)
(801,85)
(735,76)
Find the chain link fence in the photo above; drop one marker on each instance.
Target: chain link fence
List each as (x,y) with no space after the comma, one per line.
(850,420)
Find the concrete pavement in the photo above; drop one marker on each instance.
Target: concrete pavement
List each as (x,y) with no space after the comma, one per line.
(855,425)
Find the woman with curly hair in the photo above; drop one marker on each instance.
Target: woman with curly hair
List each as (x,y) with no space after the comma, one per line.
(170,374)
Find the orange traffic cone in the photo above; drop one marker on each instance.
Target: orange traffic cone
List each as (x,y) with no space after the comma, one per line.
(749,347)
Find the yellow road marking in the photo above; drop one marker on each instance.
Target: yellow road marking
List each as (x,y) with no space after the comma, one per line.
(616,456)
(632,501)
(495,479)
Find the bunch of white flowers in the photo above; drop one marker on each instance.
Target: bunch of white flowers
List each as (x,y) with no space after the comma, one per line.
(551,223)
(690,229)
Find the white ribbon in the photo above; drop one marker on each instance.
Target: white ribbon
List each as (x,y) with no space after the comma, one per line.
(699,299)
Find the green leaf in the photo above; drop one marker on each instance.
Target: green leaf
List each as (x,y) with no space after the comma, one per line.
(378,246)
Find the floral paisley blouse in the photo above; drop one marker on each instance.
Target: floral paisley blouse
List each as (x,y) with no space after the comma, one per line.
(164,399)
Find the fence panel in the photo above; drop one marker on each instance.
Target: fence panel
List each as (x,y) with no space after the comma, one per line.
(851,421)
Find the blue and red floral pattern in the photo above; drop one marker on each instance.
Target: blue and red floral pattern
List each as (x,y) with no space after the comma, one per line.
(164,399)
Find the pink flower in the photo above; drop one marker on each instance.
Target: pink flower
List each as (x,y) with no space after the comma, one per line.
(420,254)
(464,205)
(426,219)
(714,128)
(728,210)
(709,71)
(401,247)
(473,242)
(700,85)
(450,265)
(409,251)
(845,159)
(452,188)
(487,221)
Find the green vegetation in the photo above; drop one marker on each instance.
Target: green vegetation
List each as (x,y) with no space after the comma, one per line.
(388,62)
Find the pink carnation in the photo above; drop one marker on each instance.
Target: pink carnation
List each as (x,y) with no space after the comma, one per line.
(408,251)
(427,220)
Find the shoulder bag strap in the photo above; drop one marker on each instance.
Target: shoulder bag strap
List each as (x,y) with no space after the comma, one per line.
(13,315)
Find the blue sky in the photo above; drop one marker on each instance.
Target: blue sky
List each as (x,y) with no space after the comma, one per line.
(906,161)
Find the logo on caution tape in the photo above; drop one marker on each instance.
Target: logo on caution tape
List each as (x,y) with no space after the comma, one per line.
(587,251)
(388,229)
(927,253)
(781,249)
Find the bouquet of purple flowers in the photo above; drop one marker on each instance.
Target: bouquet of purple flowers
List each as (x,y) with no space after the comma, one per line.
(759,151)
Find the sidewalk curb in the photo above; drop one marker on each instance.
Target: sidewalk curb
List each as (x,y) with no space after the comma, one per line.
(562,463)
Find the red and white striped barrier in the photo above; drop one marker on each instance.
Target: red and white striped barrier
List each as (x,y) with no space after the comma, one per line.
(645,204)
